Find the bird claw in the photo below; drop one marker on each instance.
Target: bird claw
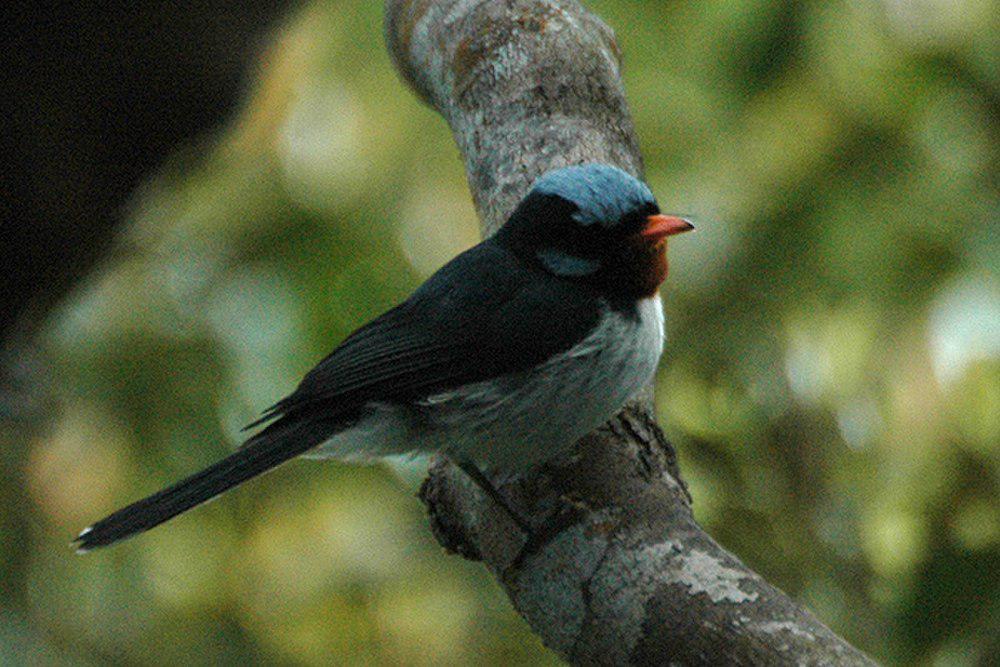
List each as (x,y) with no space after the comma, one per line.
(565,517)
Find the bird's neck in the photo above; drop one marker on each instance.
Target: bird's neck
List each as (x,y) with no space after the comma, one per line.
(641,270)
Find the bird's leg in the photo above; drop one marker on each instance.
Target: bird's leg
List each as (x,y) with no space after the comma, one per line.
(483,482)
(567,516)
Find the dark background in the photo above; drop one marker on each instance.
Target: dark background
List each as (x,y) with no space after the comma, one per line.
(832,373)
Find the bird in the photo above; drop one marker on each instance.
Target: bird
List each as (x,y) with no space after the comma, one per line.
(501,360)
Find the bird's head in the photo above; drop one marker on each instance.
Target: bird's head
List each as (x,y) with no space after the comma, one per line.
(595,224)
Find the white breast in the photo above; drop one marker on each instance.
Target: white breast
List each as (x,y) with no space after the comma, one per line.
(525,418)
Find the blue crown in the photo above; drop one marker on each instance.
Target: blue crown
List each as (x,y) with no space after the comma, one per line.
(602,193)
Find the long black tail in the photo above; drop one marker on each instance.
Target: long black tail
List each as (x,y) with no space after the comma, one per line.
(276,444)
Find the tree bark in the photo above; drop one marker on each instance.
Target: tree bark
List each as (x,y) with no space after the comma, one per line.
(627,576)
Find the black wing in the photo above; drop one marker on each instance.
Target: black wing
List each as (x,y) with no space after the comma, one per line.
(484,314)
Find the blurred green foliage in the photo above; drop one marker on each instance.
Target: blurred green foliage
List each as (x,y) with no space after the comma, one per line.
(832,376)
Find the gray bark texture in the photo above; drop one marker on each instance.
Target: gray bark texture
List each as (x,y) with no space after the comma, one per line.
(625,575)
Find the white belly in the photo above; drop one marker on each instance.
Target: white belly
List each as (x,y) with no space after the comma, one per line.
(525,418)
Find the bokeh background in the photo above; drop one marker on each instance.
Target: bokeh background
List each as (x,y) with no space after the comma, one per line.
(832,376)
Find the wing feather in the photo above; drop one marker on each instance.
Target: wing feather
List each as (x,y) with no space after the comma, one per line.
(483,315)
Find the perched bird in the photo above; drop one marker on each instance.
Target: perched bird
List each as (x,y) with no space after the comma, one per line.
(503,359)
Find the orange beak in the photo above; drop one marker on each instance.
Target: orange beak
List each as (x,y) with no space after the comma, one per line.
(661,226)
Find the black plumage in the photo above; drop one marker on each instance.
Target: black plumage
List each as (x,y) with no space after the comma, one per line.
(573,249)
(475,319)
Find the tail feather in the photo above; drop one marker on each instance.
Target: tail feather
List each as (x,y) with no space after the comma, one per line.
(276,444)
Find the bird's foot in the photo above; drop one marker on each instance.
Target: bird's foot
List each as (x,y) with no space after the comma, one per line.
(484,483)
(568,514)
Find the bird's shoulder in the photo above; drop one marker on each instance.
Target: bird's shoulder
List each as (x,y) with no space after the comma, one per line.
(489,285)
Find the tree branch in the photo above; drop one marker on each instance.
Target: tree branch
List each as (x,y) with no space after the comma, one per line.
(528,86)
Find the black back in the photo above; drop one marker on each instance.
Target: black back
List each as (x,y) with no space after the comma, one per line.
(484,314)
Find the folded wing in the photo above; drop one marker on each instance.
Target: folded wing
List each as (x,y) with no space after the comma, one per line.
(481,316)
